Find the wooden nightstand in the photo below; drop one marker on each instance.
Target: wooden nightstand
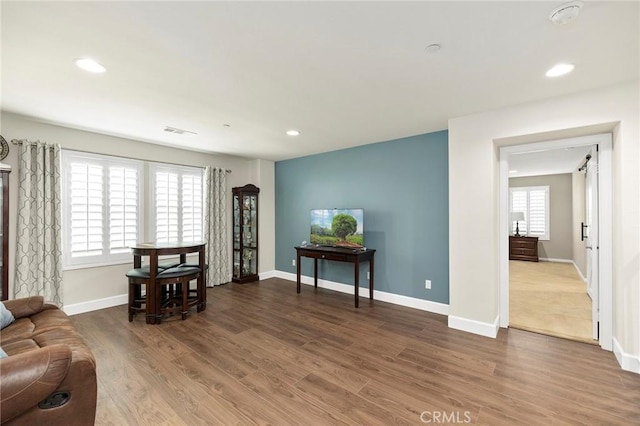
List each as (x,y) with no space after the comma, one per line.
(523,248)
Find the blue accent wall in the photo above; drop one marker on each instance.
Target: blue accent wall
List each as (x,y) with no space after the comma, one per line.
(403,187)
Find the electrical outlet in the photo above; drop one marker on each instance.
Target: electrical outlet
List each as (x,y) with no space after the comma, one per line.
(427,284)
(293,262)
(368,276)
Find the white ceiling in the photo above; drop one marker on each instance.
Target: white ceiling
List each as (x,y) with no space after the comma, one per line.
(549,162)
(343,73)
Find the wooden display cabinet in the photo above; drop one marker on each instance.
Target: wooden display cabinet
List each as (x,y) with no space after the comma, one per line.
(4,237)
(245,234)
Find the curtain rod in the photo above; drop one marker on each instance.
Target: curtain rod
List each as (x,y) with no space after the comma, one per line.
(20,141)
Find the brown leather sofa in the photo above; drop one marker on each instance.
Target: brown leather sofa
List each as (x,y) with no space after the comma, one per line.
(49,376)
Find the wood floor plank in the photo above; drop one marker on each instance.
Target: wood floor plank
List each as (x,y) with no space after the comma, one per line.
(299,359)
(214,345)
(262,354)
(290,401)
(228,392)
(176,390)
(407,403)
(108,413)
(358,409)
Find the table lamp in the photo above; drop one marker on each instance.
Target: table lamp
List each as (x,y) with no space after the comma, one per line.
(516,217)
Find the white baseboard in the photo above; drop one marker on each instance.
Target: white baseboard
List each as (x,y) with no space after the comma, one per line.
(268,274)
(476,327)
(550,259)
(582,277)
(94,305)
(627,361)
(397,299)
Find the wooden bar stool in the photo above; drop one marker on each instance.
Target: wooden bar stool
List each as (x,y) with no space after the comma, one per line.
(178,299)
(172,290)
(199,291)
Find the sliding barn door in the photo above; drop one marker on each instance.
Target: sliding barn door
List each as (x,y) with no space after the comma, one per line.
(591,237)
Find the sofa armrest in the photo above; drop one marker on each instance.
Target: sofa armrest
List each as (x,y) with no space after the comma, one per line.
(25,307)
(30,377)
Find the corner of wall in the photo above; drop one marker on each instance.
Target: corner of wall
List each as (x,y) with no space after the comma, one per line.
(627,361)
(476,327)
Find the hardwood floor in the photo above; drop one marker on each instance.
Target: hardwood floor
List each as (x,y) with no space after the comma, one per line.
(262,354)
(549,298)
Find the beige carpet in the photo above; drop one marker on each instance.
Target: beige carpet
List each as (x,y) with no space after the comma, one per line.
(549,298)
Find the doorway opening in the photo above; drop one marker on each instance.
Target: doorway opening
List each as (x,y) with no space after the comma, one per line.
(571,262)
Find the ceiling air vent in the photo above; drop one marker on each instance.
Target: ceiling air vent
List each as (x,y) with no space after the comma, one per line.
(177,131)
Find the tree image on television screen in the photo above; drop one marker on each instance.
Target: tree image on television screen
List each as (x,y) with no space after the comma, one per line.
(343,225)
(337,228)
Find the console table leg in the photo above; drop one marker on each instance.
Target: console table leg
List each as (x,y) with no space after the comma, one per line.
(315,273)
(298,273)
(356,283)
(371,278)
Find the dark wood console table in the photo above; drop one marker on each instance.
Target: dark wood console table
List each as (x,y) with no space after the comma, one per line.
(354,256)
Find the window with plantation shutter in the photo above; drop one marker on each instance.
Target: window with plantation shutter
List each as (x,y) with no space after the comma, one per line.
(534,203)
(177,197)
(101,208)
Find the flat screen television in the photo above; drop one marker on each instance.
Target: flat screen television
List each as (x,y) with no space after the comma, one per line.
(337,227)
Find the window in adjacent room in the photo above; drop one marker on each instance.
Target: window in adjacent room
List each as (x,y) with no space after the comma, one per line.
(533,201)
(176,203)
(101,208)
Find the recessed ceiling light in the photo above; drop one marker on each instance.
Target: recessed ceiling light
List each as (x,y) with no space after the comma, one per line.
(432,48)
(560,69)
(565,13)
(90,65)
(293,132)
(513,171)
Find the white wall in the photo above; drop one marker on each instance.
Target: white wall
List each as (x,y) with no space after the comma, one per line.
(87,285)
(265,170)
(473,180)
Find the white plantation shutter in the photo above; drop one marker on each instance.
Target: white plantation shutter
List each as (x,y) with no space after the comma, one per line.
(534,202)
(192,208)
(100,209)
(538,213)
(86,198)
(177,201)
(123,208)
(166,206)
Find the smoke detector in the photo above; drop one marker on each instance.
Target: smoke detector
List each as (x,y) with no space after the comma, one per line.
(565,13)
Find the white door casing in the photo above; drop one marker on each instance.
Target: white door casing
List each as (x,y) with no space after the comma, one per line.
(605,221)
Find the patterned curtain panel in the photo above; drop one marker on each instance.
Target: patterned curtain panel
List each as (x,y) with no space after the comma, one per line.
(215,226)
(39,237)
